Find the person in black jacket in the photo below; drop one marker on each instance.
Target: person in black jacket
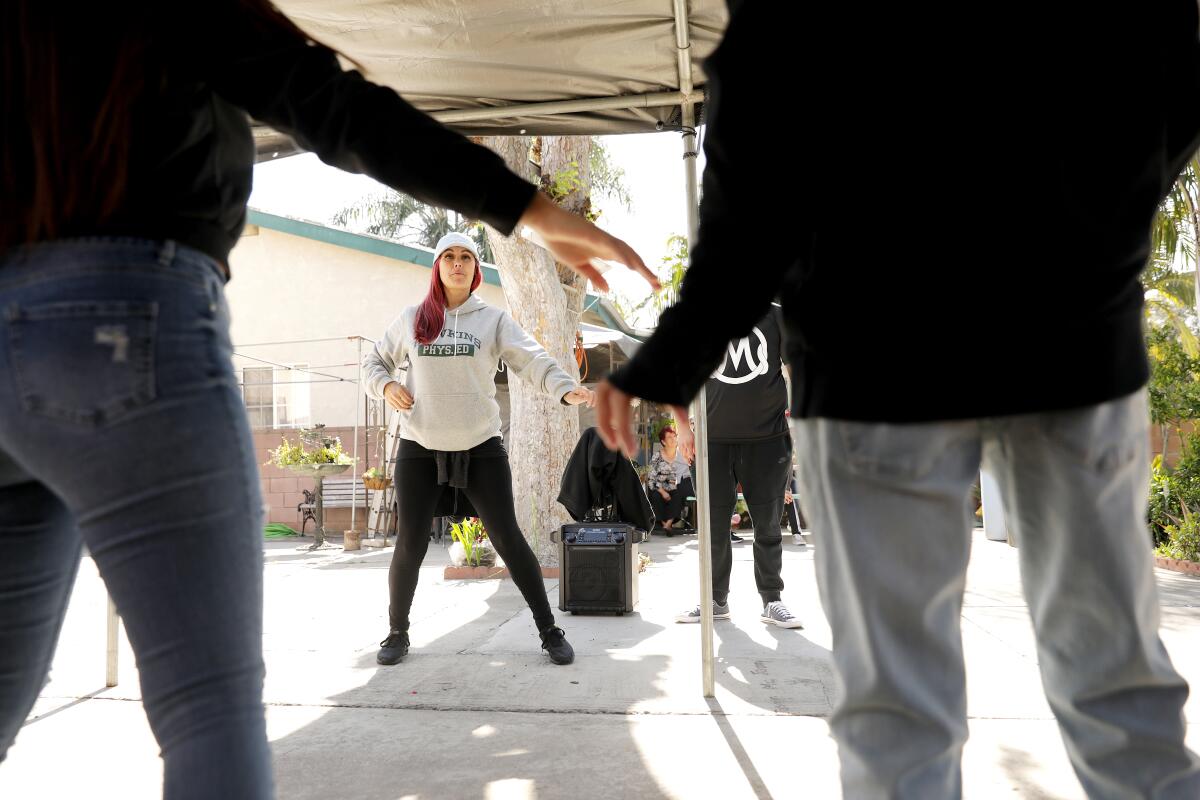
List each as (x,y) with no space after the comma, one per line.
(963,195)
(125,165)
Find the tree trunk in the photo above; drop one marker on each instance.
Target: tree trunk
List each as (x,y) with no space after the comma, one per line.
(546,301)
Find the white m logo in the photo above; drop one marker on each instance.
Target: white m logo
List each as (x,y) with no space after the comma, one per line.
(756,359)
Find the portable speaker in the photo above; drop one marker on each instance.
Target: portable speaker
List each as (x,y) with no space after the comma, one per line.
(598,567)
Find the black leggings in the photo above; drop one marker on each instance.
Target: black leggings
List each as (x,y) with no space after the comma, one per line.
(489,489)
(673,508)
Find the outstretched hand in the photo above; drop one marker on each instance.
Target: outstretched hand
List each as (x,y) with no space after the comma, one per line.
(580,395)
(613,419)
(684,434)
(574,241)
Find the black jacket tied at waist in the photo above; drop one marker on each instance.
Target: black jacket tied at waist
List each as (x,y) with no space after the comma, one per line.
(597,477)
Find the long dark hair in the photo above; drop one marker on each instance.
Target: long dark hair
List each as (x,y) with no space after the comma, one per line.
(66,122)
(431,314)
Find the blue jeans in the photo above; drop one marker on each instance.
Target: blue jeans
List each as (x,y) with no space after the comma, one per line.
(888,504)
(121,426)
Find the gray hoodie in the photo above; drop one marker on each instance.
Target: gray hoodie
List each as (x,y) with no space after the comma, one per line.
(453,379)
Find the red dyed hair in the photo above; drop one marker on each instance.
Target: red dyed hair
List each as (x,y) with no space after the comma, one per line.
(662,434)
(431,316)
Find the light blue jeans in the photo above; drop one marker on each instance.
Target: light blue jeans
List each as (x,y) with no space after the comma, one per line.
(121,426)
(888,504)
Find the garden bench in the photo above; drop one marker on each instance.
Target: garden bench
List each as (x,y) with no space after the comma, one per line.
(335,493)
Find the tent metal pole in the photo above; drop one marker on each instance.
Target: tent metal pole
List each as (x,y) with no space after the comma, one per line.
(110,660)
(700,406)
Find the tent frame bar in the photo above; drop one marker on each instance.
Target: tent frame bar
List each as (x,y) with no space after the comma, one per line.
(554,107)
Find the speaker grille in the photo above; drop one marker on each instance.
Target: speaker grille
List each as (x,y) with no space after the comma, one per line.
(595,577)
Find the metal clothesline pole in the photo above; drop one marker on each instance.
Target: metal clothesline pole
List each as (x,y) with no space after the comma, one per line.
(354,486)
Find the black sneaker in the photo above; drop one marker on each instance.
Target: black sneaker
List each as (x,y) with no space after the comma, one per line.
(733,537)
(393,648)
(555,643)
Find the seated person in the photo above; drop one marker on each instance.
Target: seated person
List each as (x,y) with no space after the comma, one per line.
(669,482)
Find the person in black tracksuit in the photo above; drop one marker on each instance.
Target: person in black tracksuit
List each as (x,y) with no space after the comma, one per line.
(748,444)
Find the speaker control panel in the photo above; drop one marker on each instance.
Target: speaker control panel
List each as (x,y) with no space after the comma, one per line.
(597,535)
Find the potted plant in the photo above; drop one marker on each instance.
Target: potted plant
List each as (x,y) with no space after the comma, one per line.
(374,479)
(326,456)
(471,546)
(642,470)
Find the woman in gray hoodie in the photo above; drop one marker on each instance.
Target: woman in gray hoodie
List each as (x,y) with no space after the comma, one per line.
(450,429)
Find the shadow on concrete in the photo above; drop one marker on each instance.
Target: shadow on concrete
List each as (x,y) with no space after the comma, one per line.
(1178,589)
(795,677)
(1020,767)
(478,711)
(740,754)
(43,715)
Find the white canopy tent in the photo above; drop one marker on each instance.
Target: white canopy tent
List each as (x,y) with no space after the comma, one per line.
(511,67)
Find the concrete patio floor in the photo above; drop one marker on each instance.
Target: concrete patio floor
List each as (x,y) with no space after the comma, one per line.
(476,711)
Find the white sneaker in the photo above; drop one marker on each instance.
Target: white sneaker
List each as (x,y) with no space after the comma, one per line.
(798,540)
(776,613)
(719,612)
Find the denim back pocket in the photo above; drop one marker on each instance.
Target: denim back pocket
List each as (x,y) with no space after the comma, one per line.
(85,362)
